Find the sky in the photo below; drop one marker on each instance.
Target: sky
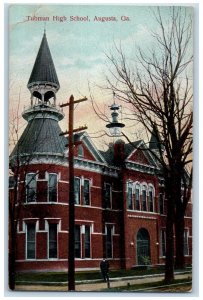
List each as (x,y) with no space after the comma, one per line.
(79,51)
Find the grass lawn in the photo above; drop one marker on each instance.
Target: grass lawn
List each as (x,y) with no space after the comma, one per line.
(59,277)
(178,285)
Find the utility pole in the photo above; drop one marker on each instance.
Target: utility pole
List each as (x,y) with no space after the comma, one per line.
(71,240)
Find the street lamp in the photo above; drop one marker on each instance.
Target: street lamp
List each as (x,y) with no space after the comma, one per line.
(115,126)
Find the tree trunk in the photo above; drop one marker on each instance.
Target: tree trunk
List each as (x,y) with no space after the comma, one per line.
(169,267)
(12,256)
(179,231)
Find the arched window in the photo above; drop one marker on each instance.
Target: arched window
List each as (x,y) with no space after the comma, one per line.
(129,195)
(143,247)
(151,198)
(80,151)
(137,196)
(144,197)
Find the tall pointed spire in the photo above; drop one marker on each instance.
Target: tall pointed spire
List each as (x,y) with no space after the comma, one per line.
(155,141)
(43,72)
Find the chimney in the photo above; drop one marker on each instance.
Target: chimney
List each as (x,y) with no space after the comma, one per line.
(119,152)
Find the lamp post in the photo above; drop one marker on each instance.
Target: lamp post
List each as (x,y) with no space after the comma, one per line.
(115,126)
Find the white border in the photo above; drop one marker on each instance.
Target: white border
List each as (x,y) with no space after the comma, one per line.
(197,160)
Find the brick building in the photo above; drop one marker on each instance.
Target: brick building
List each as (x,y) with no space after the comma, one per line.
(119,199)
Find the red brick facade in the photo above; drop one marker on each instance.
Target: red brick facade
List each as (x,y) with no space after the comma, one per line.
(124,222)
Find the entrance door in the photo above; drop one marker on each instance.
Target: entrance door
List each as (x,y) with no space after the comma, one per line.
(143,247)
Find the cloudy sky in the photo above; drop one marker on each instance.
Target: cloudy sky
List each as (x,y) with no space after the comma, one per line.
(78,50)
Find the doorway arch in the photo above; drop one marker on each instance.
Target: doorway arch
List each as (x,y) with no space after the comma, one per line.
(143,247)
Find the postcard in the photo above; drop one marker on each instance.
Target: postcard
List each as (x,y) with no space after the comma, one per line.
(100,141)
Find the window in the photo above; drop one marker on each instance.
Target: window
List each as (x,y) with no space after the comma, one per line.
(186,248)
(144,198)
(137,197)
(130,195)
(30,241)
(77,190)
(80,150)
(86,192)
(52,187)
(161,203)
(163,242)
(52,240)
(109,247)
(77,242)
(31,186)
(107,195)
(151,199)
(87,242)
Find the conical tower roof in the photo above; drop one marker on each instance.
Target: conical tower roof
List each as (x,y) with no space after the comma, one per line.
(155,140)
(43,71)
(41,136)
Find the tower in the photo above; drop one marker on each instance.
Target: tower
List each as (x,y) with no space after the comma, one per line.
(41,136)
(40,170)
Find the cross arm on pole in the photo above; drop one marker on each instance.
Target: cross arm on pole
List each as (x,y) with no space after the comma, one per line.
(74,101)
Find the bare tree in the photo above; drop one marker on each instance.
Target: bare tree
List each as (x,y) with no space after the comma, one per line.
(158,90)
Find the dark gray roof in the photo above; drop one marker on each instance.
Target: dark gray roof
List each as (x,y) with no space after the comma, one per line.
(41,136)
(128,148)
(155,141)
(43,70)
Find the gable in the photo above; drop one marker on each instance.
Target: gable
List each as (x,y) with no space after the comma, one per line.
(89,151)
(82,151)
(139,156)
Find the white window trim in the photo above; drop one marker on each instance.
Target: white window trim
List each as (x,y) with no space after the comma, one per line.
(163,229)
(144,187)
(89,180)
(57,228)
(112,233)
(81,229)
(137,187)
(130,184)
(90,227)
(105,184)
(80,179)
(29,259)
(56,187)
(35,175)
(151,188)
(80,147)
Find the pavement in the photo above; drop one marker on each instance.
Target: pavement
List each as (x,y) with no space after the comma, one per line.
(100,286)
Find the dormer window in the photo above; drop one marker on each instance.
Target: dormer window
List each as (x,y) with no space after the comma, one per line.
(80,151)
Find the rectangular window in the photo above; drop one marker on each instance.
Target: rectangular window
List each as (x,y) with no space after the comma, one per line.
(77,190)
(150,206)
(87,242)
(30,241)
(107,195)
(109,246)
(161,203)
(163,242)
(130,196)
(86,192)
(186,248)
(77,242)
(144,200)
(137,199)
(52,240)
(52,187)
(31,187)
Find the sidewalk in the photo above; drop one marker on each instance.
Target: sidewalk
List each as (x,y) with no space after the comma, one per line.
(99,286)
